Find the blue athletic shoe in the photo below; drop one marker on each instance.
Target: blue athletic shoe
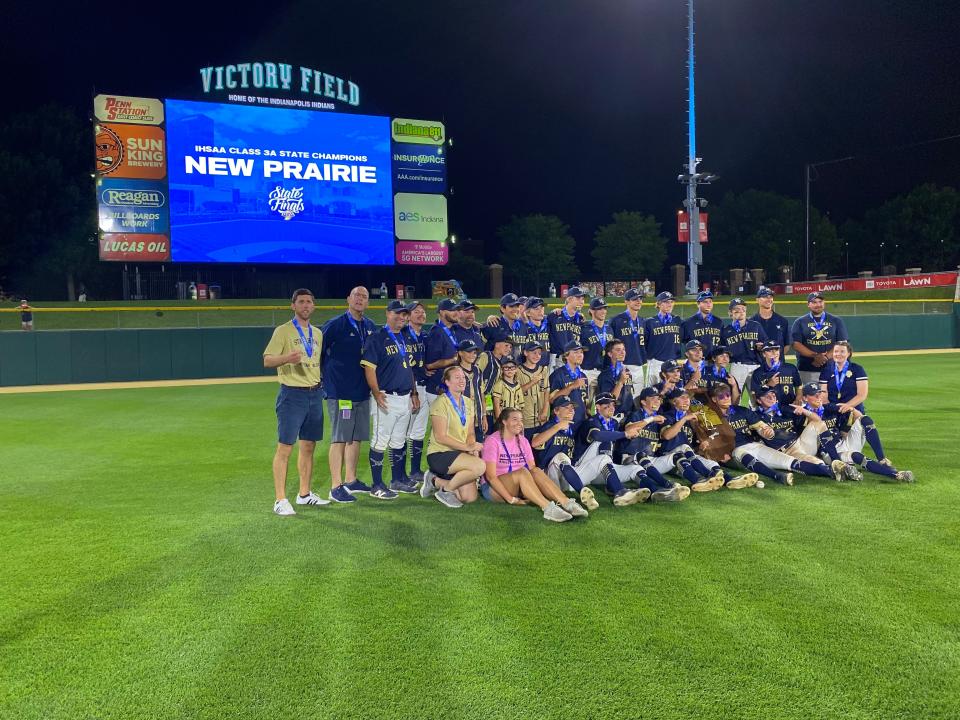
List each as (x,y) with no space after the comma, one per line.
(382,492)
(357,486)
(341,495)
(416,478)
(407,488)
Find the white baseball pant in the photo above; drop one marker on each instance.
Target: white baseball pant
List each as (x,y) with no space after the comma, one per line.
(417,430)
(390,425)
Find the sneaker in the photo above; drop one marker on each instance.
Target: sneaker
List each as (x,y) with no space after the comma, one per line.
(340,494)
(382,492)
(357,486)
(885,461)
(428,488)
(703,486)
(283,508)
(311,499)
(574,508)
(630,497)
(747,480)
(905,476)
(683,492)
(670,495)
(853,472)
(588,500)
(555,513)
(785,478)
(407,488)
(839,470)
(416,478)
(449,499)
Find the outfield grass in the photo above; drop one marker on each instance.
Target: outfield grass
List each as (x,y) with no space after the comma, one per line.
(144,576)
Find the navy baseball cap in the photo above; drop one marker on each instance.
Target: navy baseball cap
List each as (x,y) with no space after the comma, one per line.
(572,345)
(633,294)
(575,291)
(532,345)
(509,299)
(694,344)
(811,389)
(675,393)
(523,299)
(737,301)
(704,295)
(562,401)
(604,398)
(764,389)
(397,306)
(508,360)
(815,296)
(415,304)
(719,350)
(447,304)
(664,296)
(598,303)
(771,345)
(534,302)
(467,305)
(499,336)
(467,346)
(648,392)
(764,291)
(669,366)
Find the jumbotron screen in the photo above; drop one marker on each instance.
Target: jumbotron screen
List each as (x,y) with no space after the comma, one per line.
(254,184)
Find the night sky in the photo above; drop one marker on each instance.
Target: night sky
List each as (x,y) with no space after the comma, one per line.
(572,108)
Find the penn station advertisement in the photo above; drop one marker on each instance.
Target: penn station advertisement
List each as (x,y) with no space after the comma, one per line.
(274,165)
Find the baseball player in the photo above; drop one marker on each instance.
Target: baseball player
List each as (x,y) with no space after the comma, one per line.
(534,380)
(594,336)
(628,328)
(718,373)
(744,339)
(441,347)
(774,325)
(564,324)
(417,431)
(569,380)
(538,329)
(845,382)
(703,325)
(615,377)
(509,323)
(775,373)
(467,353)
(813,336)
(388,366)
(661,337)
(692,372)
(26,315)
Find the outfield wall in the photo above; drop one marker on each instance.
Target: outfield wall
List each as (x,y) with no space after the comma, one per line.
(81,356)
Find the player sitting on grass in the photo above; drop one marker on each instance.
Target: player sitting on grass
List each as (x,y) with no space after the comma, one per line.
(453,454)
(513,477)
(678,440)
(568,460)
(798,432)
(608,430)
(851,431)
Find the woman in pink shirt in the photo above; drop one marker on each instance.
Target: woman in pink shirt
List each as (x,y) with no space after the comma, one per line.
(512,477)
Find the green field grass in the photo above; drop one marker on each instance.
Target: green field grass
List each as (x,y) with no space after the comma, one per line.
(144,576)
(272,311)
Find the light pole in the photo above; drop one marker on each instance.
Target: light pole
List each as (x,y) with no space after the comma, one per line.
(846,252)
(881,258)
(808,177)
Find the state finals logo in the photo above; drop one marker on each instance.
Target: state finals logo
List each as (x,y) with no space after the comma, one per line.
(287,203)
(109,150)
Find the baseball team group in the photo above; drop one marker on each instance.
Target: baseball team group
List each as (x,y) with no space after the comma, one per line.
(554,408)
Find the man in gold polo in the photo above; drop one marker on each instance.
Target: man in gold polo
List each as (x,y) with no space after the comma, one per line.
(294,350)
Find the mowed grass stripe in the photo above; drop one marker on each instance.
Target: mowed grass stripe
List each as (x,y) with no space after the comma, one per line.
(144,576)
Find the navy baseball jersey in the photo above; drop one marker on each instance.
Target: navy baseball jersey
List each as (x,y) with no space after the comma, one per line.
(662,337)
(705,329)
(842,382)
(630,332)
(387,352)
(516,331)
(785,424)
(540,333)
(788,380)
(563,376)
(561,442)
(647,442)
(441,344)
(686,435)
(687,372)
(417,345)
(343,341)
(741,419)
(563,329)
(777,329)
(598,429)
(608,380)
(594,339)
(741,340)
(474,333)
(817,335)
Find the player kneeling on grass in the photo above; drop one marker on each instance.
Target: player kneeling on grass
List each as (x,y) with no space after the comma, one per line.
(569,460)
(453,454)
(798,432)
(513,477)
(851,431)
(679,437)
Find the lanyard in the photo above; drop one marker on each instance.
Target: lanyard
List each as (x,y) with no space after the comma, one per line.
(708,318)
(634,324)
(307,344)
(357,326)
(720,372)
(515,325)
(449,334)
(818,411)
(818,324)
(664,319)
(736,325)
(775,365)
(773,409)
(416,338)
(678,415)
(461,410)
(542,328)
(838,374)
(608,424)
(692,369)
(574,374)
(506,452)
(401,346)
(617,369)
(575,318)
(601,334)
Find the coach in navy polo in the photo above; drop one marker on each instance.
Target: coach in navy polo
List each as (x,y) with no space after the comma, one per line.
(348,397)
(661,336)
(628,328)
(813,336)
(702,325)
(441,346)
